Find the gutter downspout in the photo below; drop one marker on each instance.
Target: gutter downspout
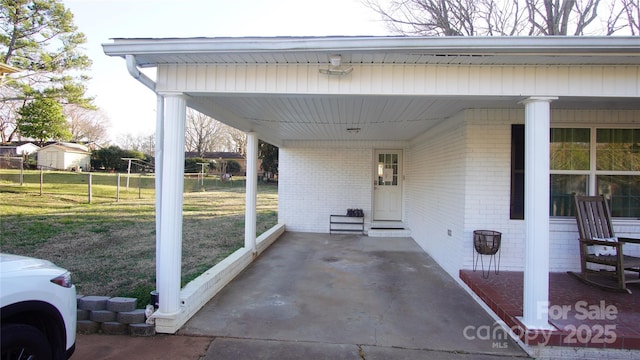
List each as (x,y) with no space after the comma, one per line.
(133,70)
(159,149)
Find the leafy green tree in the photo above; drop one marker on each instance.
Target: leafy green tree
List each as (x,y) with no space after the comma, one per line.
(233,167)
(110,158)
(42,119)
(39,37)
(269,155)
(192,165)
(106,158)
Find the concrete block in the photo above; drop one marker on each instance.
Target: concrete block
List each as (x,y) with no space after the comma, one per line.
(114,328)
(131,317)
(87,327)
(142,329)
(93,302)
(121,304)
(102,316)
(82,314)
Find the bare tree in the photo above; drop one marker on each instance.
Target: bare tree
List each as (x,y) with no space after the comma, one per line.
(8,109)
(553,17)
(238,140)
(632,15)
(428,17)
(203,133)
(86,124)
(501,18)
(142,143)
(506,17)
(148,144)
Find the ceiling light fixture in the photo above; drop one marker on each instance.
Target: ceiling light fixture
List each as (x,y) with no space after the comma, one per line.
(354,130)
(335,67)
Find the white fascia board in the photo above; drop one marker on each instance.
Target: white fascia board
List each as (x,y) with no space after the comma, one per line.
(453,45)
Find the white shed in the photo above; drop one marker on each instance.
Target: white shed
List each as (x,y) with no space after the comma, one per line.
(18,148)
(64,156)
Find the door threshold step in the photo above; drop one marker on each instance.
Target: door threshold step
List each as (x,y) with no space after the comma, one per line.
(377,231)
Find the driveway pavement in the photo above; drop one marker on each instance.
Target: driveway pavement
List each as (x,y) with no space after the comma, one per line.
(347,297)
(320,296)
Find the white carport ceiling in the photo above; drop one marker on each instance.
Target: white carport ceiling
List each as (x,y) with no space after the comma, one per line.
(314,117)
(324,117)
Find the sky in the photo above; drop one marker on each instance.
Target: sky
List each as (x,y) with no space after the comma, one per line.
(128,104)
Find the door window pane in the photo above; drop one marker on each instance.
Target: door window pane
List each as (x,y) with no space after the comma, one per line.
(387,169)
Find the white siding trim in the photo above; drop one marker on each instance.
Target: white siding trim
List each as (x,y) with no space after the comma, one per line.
(436,80)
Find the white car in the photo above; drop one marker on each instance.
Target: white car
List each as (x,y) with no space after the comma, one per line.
(38,311)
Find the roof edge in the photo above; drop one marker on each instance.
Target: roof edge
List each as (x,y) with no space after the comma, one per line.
(455,45)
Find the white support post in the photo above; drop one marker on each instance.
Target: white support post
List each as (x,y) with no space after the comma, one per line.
(250,213)
(159,152)
(172,175)
(536,213)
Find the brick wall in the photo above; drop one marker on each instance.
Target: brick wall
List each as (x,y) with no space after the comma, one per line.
(317,179)
(434,186)
(457,177)
(487,186)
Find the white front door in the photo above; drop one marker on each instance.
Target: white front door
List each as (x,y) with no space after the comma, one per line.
(387,197)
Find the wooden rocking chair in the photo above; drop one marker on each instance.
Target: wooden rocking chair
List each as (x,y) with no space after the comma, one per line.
(599,245)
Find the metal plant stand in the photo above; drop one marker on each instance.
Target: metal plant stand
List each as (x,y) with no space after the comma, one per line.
(486,242)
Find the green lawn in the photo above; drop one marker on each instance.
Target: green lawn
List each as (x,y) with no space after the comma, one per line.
(109,246)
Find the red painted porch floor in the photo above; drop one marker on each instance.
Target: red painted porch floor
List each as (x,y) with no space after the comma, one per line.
(585,316)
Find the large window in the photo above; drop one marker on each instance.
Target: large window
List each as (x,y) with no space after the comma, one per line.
(584,161)
(570,154)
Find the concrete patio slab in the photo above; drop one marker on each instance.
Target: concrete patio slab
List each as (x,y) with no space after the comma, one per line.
(347,294)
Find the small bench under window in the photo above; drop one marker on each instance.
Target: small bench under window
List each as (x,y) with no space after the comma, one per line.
(346,223)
